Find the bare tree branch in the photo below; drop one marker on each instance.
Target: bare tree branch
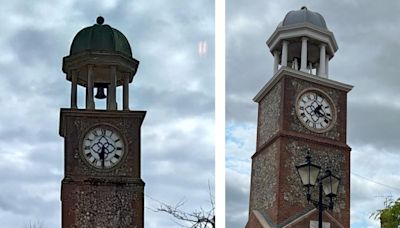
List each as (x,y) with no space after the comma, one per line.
(197,219)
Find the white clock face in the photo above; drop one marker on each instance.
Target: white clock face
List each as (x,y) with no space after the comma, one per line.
(103,147)
(315,110)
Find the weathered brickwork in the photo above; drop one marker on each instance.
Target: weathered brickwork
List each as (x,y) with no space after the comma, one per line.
(269,115)
(264,179)
(327,158)
(276,189)
(94,198)
(103,204)
(127,124)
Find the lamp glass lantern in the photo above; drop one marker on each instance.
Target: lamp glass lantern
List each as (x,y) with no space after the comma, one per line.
(308,172)
(330,184)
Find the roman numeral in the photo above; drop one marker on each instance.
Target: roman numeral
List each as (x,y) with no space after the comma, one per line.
(87,147)
(117,140)
(326,121)
(119,148)
(117,156)
(103,132)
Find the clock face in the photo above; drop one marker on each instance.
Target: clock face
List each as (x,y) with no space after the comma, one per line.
(103,147)
(315,110)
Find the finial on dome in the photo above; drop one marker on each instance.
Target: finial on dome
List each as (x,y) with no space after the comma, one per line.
(303,8)
(100,20)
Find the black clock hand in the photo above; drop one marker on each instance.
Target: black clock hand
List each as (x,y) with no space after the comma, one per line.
(101,155)
(318,110)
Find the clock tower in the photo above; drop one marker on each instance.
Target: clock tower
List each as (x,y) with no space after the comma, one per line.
(102,185)
(299,109)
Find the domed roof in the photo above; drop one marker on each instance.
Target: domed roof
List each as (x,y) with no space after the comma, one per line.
(100,37)
(302,16)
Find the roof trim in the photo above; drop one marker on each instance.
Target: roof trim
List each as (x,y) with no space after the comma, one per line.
(301,75)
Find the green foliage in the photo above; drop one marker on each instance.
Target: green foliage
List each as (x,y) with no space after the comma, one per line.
(390,215)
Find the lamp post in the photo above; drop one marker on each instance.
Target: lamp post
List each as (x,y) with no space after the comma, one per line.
(327,183)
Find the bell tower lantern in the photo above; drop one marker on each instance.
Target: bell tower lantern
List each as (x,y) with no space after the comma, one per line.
(102,185)
(303,42)
(101,58)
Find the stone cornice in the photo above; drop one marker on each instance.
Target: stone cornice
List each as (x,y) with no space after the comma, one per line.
(300,30)
(304,138)
(65,112)
(285,71)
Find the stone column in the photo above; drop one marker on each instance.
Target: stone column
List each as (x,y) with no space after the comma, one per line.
(322,61)
(74,88)
(126,93)
(327,66)
(284,53)
(89,89)
(309,68)
(303,60)
(111,90)
(276,61)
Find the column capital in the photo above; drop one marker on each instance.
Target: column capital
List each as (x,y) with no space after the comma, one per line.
(285,42)
(304,38)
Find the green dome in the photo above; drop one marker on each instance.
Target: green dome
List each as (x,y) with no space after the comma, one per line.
(100,37)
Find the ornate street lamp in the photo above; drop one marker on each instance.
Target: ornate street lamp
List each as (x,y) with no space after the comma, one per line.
(328,184)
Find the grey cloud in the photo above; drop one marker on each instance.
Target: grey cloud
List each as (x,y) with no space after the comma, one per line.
(237,199)
(167,101)
(32,45)
(380,118)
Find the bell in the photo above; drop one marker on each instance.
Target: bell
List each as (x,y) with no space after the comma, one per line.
(100,93)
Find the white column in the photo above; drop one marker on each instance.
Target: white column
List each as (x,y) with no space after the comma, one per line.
(276,61)
(284,53)
(126,93)
(111,90)
(327,65)
(74,89)
(89,89)
(303,60)
(322,59)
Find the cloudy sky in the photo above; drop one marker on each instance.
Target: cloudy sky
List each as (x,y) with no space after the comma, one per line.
(367,34)
(174,83)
